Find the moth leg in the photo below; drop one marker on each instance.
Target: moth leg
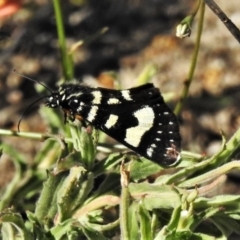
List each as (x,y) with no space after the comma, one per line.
(71,116)
(79,118)
(65,117)
(68,115)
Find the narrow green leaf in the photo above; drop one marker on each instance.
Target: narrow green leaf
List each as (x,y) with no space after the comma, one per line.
(145,222)
(73,191)
(155,196)
(46,207)
(133,221)
(92,234)
(13,225)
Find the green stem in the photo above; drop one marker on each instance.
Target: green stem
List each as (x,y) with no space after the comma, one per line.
(30,135)
(66,63)
(154,222)
(124,205)
(188,82)
(42,137)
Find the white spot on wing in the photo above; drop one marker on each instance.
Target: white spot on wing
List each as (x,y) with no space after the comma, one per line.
(97,97)
(92,113)
(113,101)
(150,151)
(111,121)
(145,117)
(126,95)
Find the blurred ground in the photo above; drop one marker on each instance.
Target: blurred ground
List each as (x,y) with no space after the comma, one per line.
(140,32)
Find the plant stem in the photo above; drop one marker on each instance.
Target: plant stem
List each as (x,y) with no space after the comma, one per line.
(223,17)
(189,79)
(124,205)
(66,63)
(30,135)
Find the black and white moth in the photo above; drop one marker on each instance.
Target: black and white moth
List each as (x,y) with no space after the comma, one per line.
(137,117)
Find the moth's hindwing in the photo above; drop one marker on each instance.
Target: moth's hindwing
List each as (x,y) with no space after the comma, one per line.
(136,117)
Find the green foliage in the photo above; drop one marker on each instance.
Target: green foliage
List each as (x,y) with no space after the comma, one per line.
(80,196)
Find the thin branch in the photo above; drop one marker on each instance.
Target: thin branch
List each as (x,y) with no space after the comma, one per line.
(223,17)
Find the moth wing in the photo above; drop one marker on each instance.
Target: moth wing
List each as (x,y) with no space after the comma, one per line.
(137,117)
(151,129)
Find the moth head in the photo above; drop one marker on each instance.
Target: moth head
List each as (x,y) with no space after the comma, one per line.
(53,100)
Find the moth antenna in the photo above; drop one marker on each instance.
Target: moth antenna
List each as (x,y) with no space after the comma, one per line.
(33,80)
(21,118)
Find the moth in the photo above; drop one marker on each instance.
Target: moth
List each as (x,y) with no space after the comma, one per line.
(137,117)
